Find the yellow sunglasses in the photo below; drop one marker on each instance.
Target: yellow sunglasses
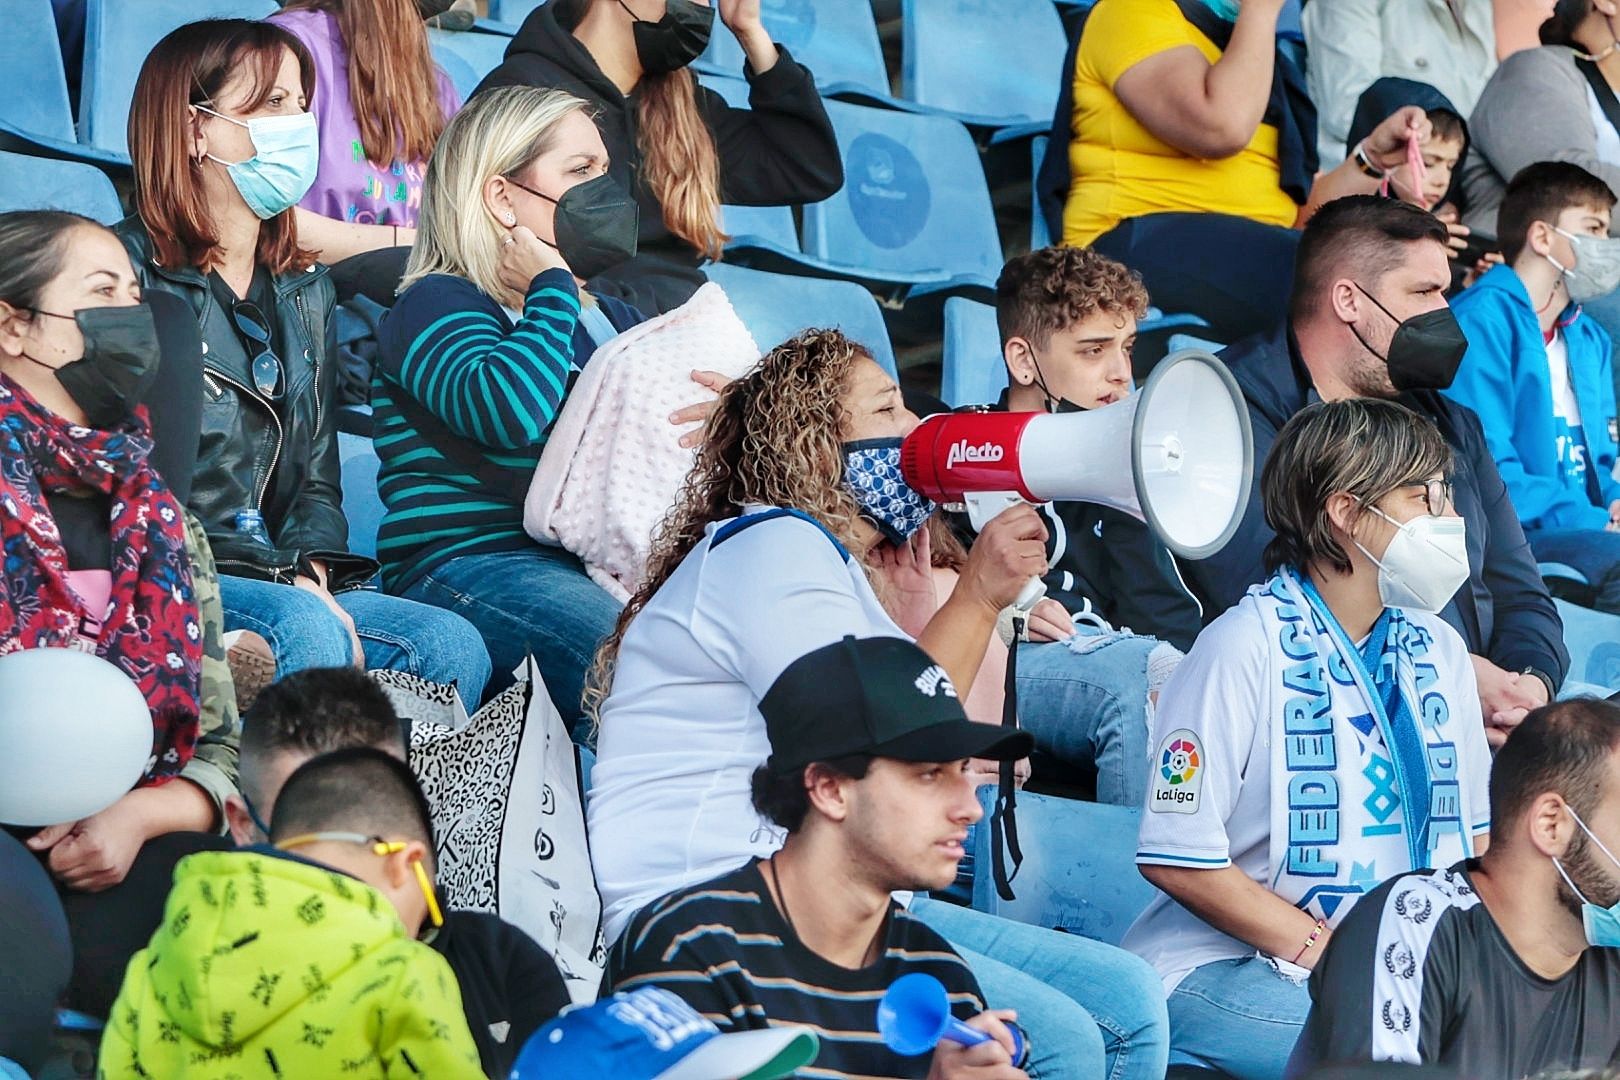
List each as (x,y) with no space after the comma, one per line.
(378,846)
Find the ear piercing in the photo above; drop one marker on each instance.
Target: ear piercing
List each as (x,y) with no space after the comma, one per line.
(511,218)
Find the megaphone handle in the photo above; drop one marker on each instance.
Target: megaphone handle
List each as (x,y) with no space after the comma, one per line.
(958,1032)
(1034,589)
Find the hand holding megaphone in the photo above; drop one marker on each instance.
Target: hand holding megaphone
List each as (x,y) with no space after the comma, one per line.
(1008,556)
(914,1017)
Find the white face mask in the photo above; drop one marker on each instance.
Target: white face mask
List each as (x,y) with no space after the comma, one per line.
(1425,564)
(1597,266)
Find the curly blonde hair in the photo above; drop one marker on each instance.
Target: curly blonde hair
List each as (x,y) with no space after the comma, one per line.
(775,438)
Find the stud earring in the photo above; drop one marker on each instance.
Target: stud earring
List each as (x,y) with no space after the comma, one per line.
(511,219)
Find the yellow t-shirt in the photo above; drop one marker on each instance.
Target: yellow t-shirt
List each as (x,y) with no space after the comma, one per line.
(1120,169)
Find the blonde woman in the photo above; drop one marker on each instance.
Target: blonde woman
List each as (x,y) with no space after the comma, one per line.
(795,530)
(677,146)
(474,362)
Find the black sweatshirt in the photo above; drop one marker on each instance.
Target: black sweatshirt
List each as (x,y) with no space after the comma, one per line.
(780,151)
(510,986)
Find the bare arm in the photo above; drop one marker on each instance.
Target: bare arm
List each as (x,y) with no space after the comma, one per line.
(335,240)
(1207,110)
(1231,902)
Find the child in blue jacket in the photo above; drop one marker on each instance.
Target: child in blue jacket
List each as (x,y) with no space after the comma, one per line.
(1538,371)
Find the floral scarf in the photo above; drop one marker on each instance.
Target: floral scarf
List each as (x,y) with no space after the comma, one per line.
(151,629)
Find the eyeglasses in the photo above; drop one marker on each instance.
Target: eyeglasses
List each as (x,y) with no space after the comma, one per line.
(1437,496)
(266,365)
(378,846)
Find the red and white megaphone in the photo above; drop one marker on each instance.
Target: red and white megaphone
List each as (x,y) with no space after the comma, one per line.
(1177,454)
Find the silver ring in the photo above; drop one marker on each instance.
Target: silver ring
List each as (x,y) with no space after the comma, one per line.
(509,240)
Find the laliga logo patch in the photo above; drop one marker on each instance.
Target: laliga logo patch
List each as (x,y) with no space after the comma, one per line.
(934,681)
(1180,778)
(964,453)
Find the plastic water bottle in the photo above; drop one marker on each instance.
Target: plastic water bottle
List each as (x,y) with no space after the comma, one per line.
(250,523)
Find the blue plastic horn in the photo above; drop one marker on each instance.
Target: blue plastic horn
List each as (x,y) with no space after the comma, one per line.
(915,1014)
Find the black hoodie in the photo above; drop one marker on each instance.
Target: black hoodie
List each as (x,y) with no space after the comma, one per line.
(781,151)
(1380,100)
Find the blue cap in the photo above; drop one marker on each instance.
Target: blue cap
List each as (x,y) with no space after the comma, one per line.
(650,1034)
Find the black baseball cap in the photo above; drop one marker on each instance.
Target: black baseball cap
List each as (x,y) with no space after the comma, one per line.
(881,696)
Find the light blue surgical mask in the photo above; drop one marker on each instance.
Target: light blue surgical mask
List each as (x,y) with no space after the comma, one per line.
(287,155)
(872,472)
(1602,924)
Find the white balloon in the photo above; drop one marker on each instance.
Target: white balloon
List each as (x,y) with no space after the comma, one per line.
(75,736)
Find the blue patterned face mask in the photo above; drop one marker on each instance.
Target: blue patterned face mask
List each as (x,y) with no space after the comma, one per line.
(872,471)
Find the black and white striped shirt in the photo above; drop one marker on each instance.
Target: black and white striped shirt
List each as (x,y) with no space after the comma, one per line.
(723,947)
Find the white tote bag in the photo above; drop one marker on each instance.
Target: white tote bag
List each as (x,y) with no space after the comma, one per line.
(508,817)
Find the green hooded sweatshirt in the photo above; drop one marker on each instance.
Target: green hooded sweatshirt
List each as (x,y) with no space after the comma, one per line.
(271,967)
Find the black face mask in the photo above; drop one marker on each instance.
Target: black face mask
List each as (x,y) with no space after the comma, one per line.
(595,224)
(1053,404)
(673,41)
(119,363)
(1425,351)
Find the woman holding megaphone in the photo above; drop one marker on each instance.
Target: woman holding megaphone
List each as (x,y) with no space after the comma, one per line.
(98,757)
(795,529)
(1321,736)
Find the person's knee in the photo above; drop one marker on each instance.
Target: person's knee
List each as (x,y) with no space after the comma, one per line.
(452,646)
(304,632)
(1064,1038)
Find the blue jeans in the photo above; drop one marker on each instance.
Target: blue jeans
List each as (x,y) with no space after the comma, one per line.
(535,600)
(1594,552)
(396,635)
(1089,1009)
(1085,701)
(1238,1016)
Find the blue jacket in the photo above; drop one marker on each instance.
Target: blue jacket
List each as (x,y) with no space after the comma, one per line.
(1504,379)
(1503,612)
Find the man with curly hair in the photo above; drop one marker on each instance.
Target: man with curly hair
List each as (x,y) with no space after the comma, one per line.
(1115,605)
(1500,966)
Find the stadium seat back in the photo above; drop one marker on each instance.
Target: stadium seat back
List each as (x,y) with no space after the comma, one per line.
(462,74)
(118,35)
(31,183)
(1079,871)
(774,307)
(914,198)
(512,12)
(1593,640)
(836,39)
(481,52)
(362,505)
(31,56)
(997,60)
(974,372)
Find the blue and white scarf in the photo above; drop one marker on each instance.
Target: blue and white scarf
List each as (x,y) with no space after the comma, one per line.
(1366,751)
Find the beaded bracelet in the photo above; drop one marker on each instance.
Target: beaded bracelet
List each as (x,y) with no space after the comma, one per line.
(1316,932)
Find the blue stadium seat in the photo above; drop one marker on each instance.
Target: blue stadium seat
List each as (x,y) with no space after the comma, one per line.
(36,117)
(990,63)
(836,39)
(361,503)
(482,51)
(118,34)
(974,373)
(914,215)
(1039,234)
(774,307)
(31,183)
(462,74)
(512,12)
(1079,871)
(1593,640)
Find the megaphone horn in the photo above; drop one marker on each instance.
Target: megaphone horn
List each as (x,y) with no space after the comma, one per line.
(1177,454)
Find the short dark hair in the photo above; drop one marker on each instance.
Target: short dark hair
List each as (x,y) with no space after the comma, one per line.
(1563,747)
(360,789)
(1367,233)
(35,243)
(1566,16)
(1540,192)
(1049,290)
(1364,446)
(316,711)
(782,798)
(1447,125)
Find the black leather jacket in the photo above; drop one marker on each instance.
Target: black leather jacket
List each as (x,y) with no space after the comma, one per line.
(282,461)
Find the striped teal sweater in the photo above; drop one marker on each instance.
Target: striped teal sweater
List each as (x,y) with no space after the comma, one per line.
(494,386)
